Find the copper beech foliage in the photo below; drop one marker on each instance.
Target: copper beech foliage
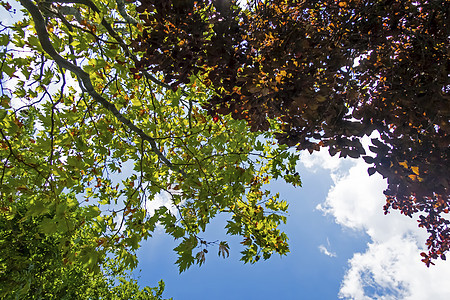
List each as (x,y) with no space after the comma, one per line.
(329,73)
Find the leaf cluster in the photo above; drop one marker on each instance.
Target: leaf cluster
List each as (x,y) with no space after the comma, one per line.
(35,262)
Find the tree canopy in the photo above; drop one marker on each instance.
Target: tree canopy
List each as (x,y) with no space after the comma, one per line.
(86,147)
(106,106)
(329,73)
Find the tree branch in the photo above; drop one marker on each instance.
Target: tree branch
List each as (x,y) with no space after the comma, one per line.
(123,12)
(84,77)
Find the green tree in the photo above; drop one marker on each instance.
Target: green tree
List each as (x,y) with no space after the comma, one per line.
(36,264)
(86,145)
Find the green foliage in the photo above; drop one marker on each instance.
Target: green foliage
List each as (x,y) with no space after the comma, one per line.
(35,262)
(87,148)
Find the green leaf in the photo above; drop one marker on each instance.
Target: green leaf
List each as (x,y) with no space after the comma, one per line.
(9,70)
(184,250)
(4,39)
(34,43)
(48,226)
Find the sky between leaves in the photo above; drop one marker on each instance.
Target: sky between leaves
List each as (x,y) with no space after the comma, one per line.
(342,246)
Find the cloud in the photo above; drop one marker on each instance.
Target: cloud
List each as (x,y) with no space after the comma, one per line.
(390,268)
(356,201)
(151,205)
(325,251)
(320,159)
(161,199)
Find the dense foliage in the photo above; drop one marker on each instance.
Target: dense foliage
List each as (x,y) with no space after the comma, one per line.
(33,265)
(329,73)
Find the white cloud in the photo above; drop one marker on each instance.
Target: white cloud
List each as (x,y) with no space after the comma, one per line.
(325,251)
(162,199)
(320,159)
(390,268)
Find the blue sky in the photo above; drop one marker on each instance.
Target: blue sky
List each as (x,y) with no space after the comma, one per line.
(342,246)
(305,271)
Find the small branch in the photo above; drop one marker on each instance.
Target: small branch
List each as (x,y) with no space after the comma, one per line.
(85,79)
(19,159)
(123,12)
(4,168)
